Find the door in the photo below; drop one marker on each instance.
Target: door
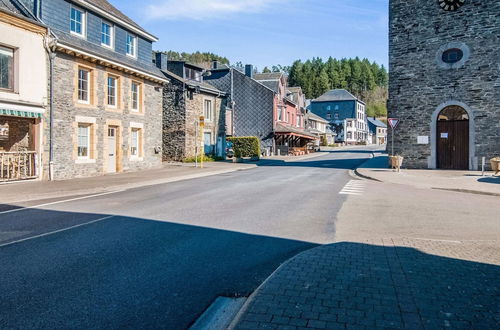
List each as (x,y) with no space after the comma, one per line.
(111,149)
(207,138)
(453,144)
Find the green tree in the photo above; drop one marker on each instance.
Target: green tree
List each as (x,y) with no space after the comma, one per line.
(266,70)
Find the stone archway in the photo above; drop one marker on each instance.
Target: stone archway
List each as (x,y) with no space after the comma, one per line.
(453,137)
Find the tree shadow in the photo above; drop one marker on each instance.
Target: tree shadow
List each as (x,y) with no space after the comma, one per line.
(491,179)
(364,285)
(124,272)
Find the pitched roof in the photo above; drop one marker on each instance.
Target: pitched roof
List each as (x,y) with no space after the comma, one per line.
(294,89)
(376,122)
(66,39)
(274,85)
(268,76)
(336,95)
(280,128)
(109,8)
(17,8)
(202,85)
(315,117)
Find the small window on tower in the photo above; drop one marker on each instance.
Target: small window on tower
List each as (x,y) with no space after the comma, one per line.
(452,55)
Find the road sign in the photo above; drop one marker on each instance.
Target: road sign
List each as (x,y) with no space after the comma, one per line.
(393,122)
(202,121)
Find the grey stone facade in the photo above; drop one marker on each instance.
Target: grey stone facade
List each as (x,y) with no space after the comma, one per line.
(182,108)
(68,112)
(421,84)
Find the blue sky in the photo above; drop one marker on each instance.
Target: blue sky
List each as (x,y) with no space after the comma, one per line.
(266,32)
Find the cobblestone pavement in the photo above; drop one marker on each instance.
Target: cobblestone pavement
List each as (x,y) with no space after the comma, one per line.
(378,284)
(405,258)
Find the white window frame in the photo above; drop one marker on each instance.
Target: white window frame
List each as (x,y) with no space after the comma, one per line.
(137,93)
(134,45)
(115,94)
(207,111)
(87,101)
(137,131)
(88,126)
(83,23)
(111,35)
(13,69)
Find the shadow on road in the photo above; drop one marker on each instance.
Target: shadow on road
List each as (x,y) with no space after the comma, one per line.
(492,179)
(124,272)
(369,286)
(333,163)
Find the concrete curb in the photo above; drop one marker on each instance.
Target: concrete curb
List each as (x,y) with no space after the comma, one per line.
(356,172)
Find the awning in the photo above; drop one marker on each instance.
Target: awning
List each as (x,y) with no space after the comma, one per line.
(21,110)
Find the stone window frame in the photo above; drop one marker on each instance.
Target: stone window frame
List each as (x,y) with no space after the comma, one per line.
(211,112)
(91,122)
(452,45)
(140,95)
(139,127)
(92,81)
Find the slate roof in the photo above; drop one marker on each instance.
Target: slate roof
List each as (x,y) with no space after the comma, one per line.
(294,89)
(84,45)
(280,128)
(315,117)
(17,9)
(376,122)
(274,85)
(109,8)
(337,95)
(202,85)
(268,76)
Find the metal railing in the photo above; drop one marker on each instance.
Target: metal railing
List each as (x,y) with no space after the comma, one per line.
(18,165)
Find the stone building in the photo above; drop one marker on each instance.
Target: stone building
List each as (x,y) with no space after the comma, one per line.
(107,95)
(345,113)
(23,92)
(185,100)
(445,82)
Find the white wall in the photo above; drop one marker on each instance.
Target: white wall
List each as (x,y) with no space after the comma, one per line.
(30,65)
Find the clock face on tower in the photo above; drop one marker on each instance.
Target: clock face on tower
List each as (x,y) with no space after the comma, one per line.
(451,5)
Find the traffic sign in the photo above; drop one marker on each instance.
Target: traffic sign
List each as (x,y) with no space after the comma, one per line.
(393,122)
(202,121)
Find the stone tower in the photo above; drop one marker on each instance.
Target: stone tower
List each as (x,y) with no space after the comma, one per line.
(444,63)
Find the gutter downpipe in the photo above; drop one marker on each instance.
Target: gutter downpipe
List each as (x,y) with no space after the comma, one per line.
(50,47)
(232,102)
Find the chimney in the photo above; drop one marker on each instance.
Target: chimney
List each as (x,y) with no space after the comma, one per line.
(161,60)
(215,64)
(249,70)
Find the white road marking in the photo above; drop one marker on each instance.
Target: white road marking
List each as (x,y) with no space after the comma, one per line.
(353,187)
(56,231)
(59,202)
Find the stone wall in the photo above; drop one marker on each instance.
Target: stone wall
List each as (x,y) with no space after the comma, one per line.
(182,109)
(67,112)
(421,84)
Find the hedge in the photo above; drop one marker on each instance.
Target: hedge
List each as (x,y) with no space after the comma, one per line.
(245,146)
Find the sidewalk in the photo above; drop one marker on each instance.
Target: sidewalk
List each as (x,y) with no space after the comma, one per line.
(170,172)
(462,181)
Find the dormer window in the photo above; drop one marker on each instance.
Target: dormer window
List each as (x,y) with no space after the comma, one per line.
(131,45)
(106,35)
(192,74)
(77,22)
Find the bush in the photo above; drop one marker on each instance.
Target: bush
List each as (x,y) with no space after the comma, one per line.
(206,158)
(246,146)
(323,141)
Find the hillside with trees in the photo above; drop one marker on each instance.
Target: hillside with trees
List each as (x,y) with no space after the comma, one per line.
(202,59)
(367,80)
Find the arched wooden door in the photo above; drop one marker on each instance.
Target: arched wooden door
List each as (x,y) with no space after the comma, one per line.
(453,139)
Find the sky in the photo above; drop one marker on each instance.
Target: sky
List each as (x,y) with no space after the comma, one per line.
(266,32)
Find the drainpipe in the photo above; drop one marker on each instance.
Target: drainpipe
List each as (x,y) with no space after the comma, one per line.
(232,102)
(50,47)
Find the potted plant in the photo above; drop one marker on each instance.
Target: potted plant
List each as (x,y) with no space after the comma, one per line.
(396,162)
(495,164)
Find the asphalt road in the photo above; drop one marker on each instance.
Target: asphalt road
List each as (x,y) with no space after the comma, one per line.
(158,256)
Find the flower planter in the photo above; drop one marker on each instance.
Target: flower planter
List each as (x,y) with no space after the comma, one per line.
(495,164)
(396,162)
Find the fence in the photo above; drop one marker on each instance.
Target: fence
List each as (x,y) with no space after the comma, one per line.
(18,165)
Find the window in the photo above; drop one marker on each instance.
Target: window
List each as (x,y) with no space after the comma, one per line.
(112,91)
(207,110)
(106,35)
(336,115)
(280,114)
(349,135)
(6,68)
(83,85)
(77,22)
(192,74)
(83,140)
(328,116)
(453,55)
(134,142)
(131,45)
(135,96)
